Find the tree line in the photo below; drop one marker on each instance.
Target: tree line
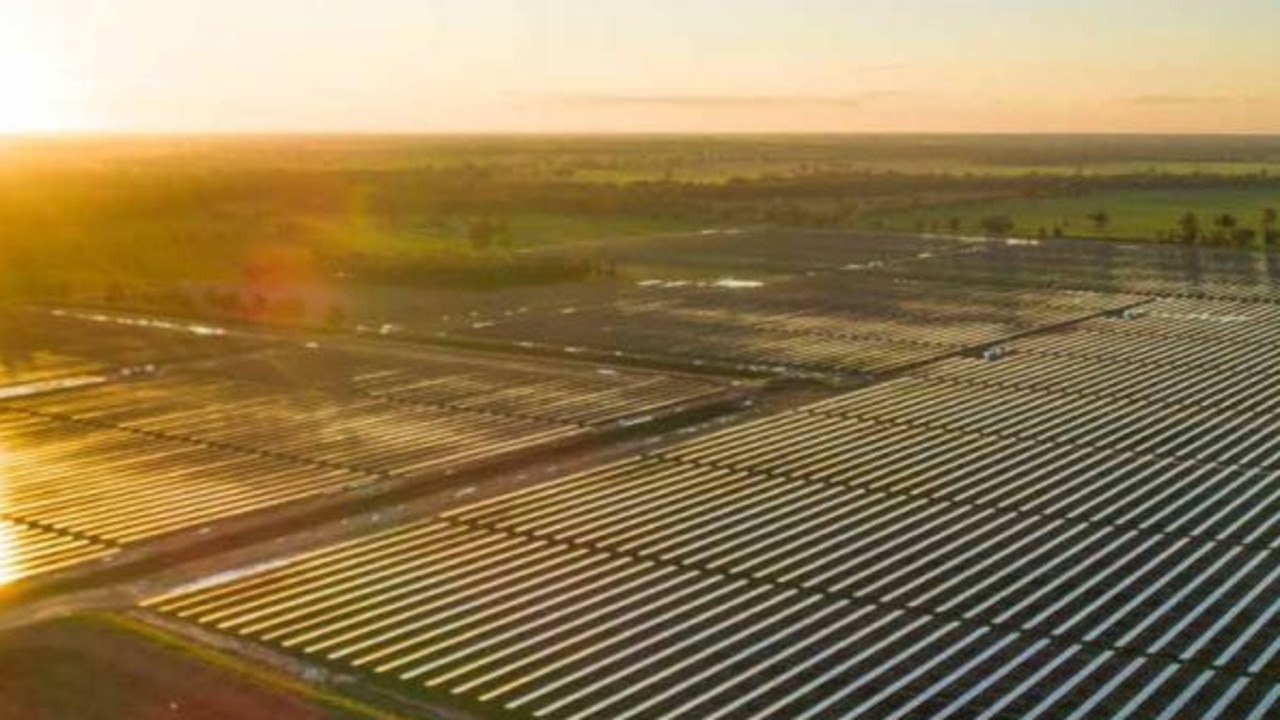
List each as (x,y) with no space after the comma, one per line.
(1225,228)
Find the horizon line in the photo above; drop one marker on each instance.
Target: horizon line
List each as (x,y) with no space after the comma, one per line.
(730,133)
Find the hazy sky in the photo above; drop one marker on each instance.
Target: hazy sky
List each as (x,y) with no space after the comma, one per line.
(632,65)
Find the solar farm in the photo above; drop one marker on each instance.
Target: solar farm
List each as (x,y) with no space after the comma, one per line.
(1024,480)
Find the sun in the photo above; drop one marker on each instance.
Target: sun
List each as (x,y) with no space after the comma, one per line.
(32,90)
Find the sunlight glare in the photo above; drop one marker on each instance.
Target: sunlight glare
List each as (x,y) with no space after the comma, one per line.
(9,541)
(31,87)
(8,554)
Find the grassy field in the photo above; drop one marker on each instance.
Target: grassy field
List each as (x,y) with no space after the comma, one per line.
(106,667)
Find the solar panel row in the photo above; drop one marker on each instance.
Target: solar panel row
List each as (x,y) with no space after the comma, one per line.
(1129,280)
(1208,353)
(1202,434)
(1147,269)
(365,435)
(786,250)
(1250,322)
(574,395)
(1167,384)
(26,550)
(578,400)
(42,366)
(119,487)
(37,345)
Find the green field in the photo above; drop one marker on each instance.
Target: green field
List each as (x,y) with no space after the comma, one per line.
(1132,214)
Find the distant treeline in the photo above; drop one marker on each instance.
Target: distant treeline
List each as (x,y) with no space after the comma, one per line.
(478,190)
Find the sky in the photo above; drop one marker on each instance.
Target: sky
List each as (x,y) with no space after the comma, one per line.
(483,66)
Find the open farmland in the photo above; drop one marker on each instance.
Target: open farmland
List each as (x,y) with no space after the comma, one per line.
(1083,524)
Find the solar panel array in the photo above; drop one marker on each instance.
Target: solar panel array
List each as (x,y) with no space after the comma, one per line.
(42,366)
(87,471)
(975,540)
(27,550)
(582,396)
(118,487)
(839,303)
(41,346)
(784,250)
(855,323)
(1143,268)
(363,435)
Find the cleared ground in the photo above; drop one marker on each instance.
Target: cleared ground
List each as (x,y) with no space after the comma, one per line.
(94,668)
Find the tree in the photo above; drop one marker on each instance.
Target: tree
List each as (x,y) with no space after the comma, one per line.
(1244,236)
(997,225)
(1226,223)
(955,225)
(1189,227)
(1100,219)
(1270,216)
